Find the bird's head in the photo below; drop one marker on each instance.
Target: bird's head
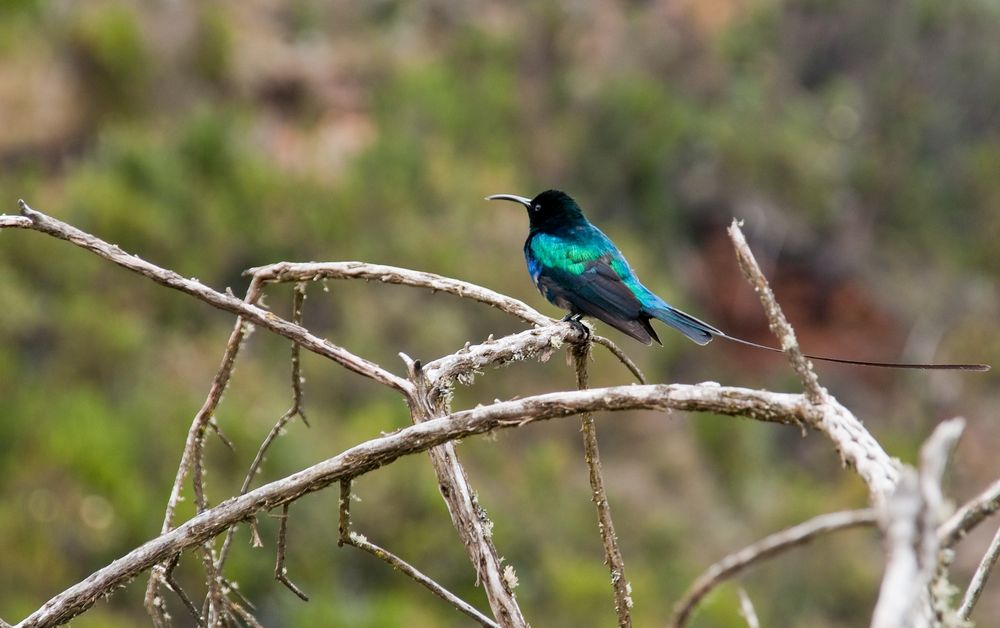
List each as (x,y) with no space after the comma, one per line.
(549,210)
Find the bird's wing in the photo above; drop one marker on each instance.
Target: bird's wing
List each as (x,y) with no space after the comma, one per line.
(584,278)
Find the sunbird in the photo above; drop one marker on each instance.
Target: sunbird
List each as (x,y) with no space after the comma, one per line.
(579,269)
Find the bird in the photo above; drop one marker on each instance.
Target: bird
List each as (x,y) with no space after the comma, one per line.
(579,269)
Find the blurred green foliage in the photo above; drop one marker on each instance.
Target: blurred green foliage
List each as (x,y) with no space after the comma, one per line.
(860,141)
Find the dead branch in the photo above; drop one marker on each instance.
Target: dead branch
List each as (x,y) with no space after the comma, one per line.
(314,271)
(467,516)
(778,323)
(912,508)
(747,610)
(296,409)
(463,365)
(856,446)
(910,519)
(772,545)
(280,573)
(979,578)
(349,537)
(317,271)
(767,406)
(258,316)
(192,445)
(974,512)
(612,553)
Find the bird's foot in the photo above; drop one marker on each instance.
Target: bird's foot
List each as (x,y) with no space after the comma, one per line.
(579,325)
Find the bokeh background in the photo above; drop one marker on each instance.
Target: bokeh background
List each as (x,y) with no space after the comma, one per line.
(859,141)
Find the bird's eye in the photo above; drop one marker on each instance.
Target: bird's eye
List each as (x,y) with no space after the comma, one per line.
(537,207)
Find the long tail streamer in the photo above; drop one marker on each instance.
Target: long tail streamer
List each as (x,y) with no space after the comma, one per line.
(888,365)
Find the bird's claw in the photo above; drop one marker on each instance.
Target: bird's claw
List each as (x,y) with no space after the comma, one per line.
(579,325)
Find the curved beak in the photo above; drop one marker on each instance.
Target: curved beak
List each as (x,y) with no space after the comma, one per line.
(510,197)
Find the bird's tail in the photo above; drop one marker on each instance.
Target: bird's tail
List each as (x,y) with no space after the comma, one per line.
(702,333)
(698,331)
(886,365)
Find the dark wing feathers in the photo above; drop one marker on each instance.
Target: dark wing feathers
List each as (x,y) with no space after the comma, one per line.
(599,292)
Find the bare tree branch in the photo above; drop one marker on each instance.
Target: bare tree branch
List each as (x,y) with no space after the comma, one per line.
(747,609)
(280,573)
(192,445)
(978,581)
(464,364)
(612,553)
(912,509)
(173,585)
(348,537)
(296,409)
(910,519)
(779,325)
(974,512)
(772,545)
(15,222)
(854,443)
(259,316)
(760,405)
(316,271)
(467,516)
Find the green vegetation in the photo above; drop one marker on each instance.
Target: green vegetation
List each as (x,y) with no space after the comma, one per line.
(860,141)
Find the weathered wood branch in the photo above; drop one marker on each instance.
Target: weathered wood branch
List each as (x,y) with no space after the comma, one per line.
(468,516)
(319,271)
(857,447)
(912,509)
(767,406)
(592,455)
(772,545)
(910,518)
(258,316)
(775,317)
(352,538)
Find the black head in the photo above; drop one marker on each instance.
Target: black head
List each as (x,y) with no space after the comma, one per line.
(549,210)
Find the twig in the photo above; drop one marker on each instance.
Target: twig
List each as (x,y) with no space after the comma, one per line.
(173,585)
(15,222)
(246,615)
(468,517)
(317,271)
(348,537)
(463,365)
(344,508)
(298,298)
(771,545)
(360,542)
(195,436)
(612,553)
(216,600)
(855,445)
(280,573)
(971,514)
(621,355)
(776,319)
(910,518)
(261,317)
(747,609)
(314,271)
(979,578)
(761,405)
